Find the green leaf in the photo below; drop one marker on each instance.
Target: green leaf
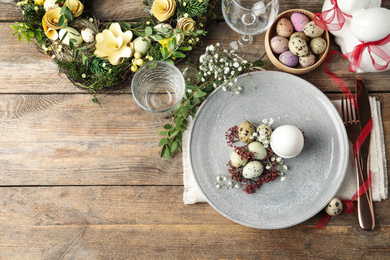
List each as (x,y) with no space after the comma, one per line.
(83,58)
(184,48)
(59,1)
(164,52)
(73,40)
(174,146)
(152,65)
(148,31)
(167,126)
(170,61)
(63,8)
(68,14)
(31,33)
(14,27)
(28,38)
(163,151)
(200,93)
(199,31)
(258,63)
(64,25)
(158,37)
(165,29)
(162,133)
(178,54)
(163,141)
(61,21)
(168,154)
(174,134)
(179,31)
(63,37)
(19,37)
(172,44)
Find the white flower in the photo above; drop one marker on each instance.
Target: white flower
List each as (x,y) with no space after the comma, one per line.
(212,48)
(189,90)
(202,79)
(240,88)
(237,92)
(239,69)
(224,88)
(232,72)
(235,80)
(217,44)
(236,65)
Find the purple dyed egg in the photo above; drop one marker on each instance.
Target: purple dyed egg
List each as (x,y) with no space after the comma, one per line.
(299,21)
(288,59)
(279,44)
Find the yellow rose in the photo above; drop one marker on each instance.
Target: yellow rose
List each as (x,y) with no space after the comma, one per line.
(114,45)
(50,23)
(75,6)
(186,24)
(163,9)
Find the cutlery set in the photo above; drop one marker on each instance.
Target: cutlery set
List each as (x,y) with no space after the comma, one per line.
(357,118)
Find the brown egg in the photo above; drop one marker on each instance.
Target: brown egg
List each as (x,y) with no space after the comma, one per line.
(284,27)
(245,132)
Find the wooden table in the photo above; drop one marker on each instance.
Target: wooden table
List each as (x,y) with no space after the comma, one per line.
(80,181)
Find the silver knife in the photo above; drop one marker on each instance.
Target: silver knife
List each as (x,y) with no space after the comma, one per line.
(364,203)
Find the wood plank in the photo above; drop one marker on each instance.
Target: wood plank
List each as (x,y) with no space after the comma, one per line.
(118,222)
(68,140)
(191,242)
(127,205)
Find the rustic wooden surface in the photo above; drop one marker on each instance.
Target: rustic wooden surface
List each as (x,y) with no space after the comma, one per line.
(79,181)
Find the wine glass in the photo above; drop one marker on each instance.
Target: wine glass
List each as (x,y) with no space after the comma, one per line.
(247,18)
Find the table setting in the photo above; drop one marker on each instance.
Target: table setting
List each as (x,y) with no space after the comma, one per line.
(214,129)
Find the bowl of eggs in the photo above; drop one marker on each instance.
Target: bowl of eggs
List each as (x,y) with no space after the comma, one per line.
(295,44)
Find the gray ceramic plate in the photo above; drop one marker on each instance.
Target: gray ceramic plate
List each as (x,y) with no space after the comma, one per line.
(314,176)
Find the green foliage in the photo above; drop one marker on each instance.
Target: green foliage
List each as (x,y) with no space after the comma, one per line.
(28,31)
(34,14)
(100,66)
(193,8)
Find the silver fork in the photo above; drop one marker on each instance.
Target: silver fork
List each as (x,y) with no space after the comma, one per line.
(351,122)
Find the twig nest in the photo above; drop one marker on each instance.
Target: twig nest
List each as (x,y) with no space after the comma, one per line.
(252,170)
(114,45)
(71,33)
(236,160)
(88,35)
(163,9)
(258,149)
(186,24)
(245,132)
(334,207)
(141,45)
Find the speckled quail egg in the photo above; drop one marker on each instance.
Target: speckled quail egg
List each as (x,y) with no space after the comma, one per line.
(334,207)
(318,45)
(279,44)
(298,46)
(252,170)
(284,27)
(308,60)
(258,149)
(245,132)
(288,59)
(236,160)
(300,34)
(88,35)
(264,133)
(312,30)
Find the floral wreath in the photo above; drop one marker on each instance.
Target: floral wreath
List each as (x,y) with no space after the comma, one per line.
(98,56)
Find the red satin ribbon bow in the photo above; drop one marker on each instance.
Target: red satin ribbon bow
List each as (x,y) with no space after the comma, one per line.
(373,48)
(326,23)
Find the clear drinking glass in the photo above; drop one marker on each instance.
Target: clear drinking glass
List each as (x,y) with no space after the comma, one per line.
(247,18)
(158,87)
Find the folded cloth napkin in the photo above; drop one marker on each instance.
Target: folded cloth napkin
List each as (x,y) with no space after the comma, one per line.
(192,193)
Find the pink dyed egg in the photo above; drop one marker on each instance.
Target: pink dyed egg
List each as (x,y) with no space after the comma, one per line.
(299,21)
(279,44)
(288,59)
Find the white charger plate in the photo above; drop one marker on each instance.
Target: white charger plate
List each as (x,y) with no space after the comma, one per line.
(313,177)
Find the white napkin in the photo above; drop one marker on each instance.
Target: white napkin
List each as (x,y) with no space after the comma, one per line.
(192,194)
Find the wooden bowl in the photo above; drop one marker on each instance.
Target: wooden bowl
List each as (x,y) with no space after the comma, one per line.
(274,58)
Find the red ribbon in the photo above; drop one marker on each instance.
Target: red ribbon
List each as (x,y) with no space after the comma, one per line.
(326,23)
(373,48)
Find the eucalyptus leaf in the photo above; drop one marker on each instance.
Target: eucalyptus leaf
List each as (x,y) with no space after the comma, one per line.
(148,30)
(165,29)
(158,37)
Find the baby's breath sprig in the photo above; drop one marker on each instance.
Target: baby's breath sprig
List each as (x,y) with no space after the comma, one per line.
(216,68)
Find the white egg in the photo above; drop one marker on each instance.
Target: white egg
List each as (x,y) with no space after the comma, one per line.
(287,141)
(141,44)
(72,33)
(371,24)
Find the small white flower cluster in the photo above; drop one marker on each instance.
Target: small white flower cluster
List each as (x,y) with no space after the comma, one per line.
(225,181)
(223,67)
